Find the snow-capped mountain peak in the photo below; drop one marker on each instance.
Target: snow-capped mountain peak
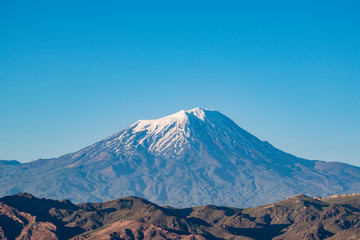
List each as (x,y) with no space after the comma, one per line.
(196,156)
(196,130)
(181,117)
(173,134)
(177,122)
(170,132)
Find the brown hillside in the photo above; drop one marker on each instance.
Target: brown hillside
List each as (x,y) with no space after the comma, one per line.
(24,216)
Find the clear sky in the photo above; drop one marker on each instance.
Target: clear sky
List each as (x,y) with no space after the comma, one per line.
(74,72)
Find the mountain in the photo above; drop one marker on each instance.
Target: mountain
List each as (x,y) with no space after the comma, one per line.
(24,216)
(189,158)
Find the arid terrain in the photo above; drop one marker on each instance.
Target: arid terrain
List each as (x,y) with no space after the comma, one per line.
(23,216)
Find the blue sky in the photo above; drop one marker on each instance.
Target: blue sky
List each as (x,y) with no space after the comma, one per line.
(74,72)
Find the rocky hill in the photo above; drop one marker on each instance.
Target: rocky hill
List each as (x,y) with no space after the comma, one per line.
(24,216)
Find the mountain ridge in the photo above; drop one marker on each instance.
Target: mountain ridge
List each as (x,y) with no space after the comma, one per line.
(296,217)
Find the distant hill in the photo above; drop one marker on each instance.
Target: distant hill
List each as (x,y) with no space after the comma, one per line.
(24,216)
(9,162)
(189,158)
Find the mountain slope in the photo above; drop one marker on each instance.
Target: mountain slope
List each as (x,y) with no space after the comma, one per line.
(192,157)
